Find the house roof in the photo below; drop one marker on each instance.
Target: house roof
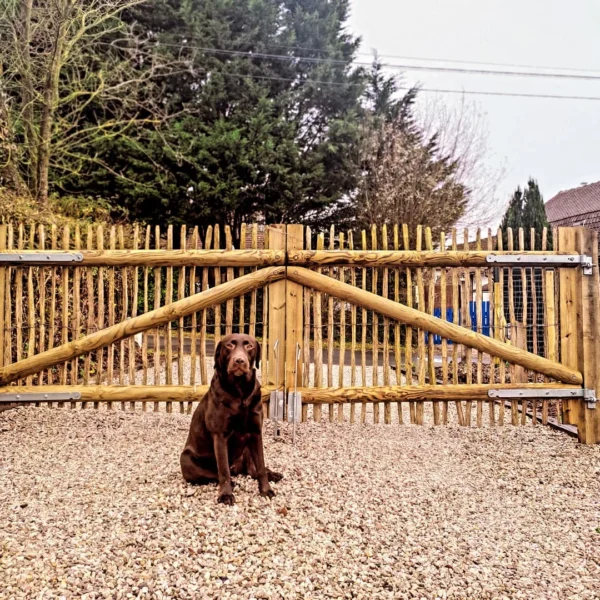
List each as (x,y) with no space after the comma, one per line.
(570,203)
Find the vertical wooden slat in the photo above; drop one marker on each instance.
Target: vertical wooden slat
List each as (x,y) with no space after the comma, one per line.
(76,317)
(375,325)
(146,308)
(479,317)
(397,341)
(42,292)
(460,416)
(134,311)
(490,286)
(157,303)
(468,290)
(31,305)
(124,310)
(4,279)
(524,327)
(52,315)
(241,273)
(194,333)
(330,326)
(10,272)
(89,282)
(308,293)
(318,339)
(363,408)
(353,332)
(444,313)
(341,274)
(253,296)
(499,324)
(65,296)
(217,246)
(551,346)
(408,342)
(19,299)
(534,314)
(111,312)
(101,308)
(387,406)
(181,281)
(204,315)
(230,277)
(514,327)
(168,327)
(420,407)
(430,304)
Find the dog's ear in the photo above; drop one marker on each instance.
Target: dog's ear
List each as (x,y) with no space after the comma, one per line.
(257,355)
(219,357)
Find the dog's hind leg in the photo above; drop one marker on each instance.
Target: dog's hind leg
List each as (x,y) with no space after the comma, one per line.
(196,471)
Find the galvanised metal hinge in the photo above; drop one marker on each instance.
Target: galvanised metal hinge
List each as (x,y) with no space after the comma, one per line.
(40,258)
(588,395)
(39,396)
(555,260)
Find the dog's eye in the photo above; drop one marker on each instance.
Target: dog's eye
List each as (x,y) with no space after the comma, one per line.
(249,346)
(230,346)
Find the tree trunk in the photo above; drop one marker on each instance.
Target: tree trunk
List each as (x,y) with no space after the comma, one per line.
(50,95)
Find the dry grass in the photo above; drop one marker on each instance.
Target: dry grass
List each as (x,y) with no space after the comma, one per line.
(93,506)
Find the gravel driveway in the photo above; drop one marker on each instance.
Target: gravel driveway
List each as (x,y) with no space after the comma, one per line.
(92,505)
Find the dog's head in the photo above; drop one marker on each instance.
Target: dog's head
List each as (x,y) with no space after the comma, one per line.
(237,355)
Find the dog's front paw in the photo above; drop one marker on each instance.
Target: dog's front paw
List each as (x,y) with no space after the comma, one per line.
(227,499)
(268,493)
(274,477)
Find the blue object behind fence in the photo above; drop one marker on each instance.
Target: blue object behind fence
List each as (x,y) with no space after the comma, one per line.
(485,320)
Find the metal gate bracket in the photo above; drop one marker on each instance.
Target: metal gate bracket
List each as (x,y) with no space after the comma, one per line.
(40,258)
(588,395)
(40,397)
(556,260)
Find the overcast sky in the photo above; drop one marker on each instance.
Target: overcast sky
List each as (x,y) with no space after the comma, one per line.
(555,141)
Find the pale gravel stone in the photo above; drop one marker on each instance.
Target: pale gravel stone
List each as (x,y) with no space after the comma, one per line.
(92,505)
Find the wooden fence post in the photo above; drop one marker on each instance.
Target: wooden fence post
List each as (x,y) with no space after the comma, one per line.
(285,313)
(3,270)
(294,327)
(580,328)
(570,341)
(588,320)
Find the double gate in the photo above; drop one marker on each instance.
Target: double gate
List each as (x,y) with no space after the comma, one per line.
(350,327)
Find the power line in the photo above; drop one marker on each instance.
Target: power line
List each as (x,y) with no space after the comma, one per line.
(429,90)
(403,67)
(429,59)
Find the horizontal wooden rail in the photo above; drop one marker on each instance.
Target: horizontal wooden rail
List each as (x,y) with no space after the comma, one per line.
(421,320)
(392,258)
(124,393)
(150,258)
(191,393)
(415,393)
(152,319)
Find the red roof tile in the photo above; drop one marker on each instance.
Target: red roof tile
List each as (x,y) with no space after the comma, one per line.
(578,201)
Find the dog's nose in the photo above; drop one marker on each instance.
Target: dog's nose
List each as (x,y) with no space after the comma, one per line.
(239,361)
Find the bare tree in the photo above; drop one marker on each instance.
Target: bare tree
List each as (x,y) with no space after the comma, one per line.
(62,61)
(462,135)
(407,180)
(433,172)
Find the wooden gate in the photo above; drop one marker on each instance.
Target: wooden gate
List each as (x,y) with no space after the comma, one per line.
(348,328)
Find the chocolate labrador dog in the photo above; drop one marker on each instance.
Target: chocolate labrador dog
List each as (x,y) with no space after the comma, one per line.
(225,436)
